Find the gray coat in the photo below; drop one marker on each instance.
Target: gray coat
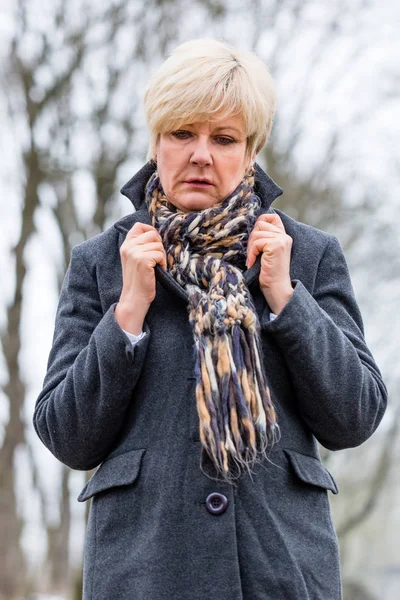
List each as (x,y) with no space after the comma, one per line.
(153,531)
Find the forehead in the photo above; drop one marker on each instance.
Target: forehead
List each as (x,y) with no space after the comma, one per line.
(219,123)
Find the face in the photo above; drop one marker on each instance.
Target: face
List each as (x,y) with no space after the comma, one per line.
(201,163)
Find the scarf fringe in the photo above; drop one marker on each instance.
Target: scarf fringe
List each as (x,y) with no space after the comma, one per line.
(237,419)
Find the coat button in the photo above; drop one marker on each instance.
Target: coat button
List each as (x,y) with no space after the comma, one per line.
(216,503)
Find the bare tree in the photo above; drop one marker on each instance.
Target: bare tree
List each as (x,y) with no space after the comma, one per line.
(21,77)
(38,163)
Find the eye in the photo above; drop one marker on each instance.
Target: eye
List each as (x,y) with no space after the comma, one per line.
(181,134)
(224,141)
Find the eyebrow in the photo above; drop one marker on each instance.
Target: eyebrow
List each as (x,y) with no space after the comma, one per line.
(221,128)
(225,127)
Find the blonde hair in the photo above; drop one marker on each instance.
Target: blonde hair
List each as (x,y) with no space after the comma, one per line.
(204,77)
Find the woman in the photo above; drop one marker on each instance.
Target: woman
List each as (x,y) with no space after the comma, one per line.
(202,346)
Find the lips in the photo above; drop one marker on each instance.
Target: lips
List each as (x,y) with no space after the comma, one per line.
(198,182)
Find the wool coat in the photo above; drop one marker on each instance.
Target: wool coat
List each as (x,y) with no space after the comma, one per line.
(159,528)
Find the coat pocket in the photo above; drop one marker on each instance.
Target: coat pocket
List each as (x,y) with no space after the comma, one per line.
(116,471)
(310,470)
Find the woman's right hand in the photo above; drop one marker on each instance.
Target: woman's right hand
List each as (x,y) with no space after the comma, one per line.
(141,251)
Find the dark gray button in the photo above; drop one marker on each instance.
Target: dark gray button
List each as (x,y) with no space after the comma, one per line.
(216,503)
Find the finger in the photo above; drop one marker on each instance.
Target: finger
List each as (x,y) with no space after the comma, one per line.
(157,257)
(145,251)
(145,238)
(280,240)
(161,259)
(138,251)
(260,245)
(268,235)
(266,226)
(138,229)
(272,218)
(252,253)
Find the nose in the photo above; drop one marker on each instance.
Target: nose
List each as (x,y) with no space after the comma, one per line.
(201,155)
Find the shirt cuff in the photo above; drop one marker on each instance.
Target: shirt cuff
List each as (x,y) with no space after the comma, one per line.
(134,339)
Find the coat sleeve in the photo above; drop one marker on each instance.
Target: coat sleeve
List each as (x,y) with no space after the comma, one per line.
(91,374)
(339,388)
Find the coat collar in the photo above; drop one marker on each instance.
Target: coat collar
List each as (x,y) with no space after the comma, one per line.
(264,187)
(134,189)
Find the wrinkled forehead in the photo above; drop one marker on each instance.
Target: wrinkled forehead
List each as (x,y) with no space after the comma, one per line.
(214,121)
(228,123)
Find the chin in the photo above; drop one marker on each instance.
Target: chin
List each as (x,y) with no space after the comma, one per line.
(196,202)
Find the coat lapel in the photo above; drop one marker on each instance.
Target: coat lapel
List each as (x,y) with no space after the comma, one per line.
(166,280)
(142,216)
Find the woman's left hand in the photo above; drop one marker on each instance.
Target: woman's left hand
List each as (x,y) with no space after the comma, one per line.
(270,239)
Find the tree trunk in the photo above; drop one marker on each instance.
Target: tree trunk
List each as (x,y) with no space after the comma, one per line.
(12,570)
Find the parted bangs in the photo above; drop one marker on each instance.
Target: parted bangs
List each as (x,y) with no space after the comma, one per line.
(204,79)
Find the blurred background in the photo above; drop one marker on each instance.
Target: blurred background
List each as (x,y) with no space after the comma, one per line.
(72,132)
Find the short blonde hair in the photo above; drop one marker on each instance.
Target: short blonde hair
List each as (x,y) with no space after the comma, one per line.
(204,77)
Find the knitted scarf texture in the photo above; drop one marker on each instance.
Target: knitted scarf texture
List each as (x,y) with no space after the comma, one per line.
(205,250)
